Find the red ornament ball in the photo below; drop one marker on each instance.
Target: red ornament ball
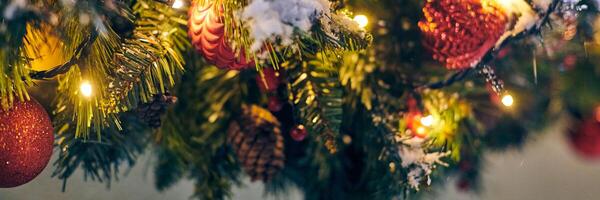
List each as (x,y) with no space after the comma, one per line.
(463,185)
(413,119)
(274,105)
(209,37)
(26,139)
(585,139)
(298,133)
(569,62)
(597,113)
(269,81)
(460,32)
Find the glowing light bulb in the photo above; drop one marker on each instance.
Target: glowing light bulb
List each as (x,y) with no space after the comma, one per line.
(177,4)
(362,20)
(421,132)
(86,89)
(507,100)
(427,120)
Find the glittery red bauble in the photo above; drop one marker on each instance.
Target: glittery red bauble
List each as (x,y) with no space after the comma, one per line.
(413,118)
(298,133)
(209,37)
(269,81)
(460,32)
(569,62)
(26,138)
(274,105)
(585,139)
(463,185)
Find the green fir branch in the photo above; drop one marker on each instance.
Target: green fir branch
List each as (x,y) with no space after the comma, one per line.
(100,158)
(124,71)
(193,135)
(14,70)
(317,95)
(356,75)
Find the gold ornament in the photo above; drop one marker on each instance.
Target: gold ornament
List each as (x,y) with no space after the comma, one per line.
(44,49)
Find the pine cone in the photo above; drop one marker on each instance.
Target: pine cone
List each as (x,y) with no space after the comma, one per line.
(258,143)
(151,112)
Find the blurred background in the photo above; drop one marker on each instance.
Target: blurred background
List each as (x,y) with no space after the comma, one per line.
(513,134)
(546,168)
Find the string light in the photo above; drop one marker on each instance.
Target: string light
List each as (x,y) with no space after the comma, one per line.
(427,120)
(507,100)
(178,4)
(362,20)
(421,132)
(347,139)
(392,167)
(86,89)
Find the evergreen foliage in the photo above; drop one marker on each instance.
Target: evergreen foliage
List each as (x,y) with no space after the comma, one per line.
(351,89)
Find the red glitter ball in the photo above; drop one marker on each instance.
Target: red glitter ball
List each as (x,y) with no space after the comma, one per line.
(598,114)
(298,133)
(585,139)
(460,32)
(274,105)
(569,62)
(269,81)
(26,138)
(463,185)
(413,118)
(209,37)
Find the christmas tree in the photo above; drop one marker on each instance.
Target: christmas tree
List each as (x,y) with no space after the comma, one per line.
(343,99)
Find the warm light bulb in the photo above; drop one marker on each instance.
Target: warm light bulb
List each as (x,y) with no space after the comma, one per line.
(362,20)
(177,4)
(86,89)
(421,131)
(507,100)
(427,120)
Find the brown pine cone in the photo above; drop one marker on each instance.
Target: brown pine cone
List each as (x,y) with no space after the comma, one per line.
(257,143)
(151,112)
